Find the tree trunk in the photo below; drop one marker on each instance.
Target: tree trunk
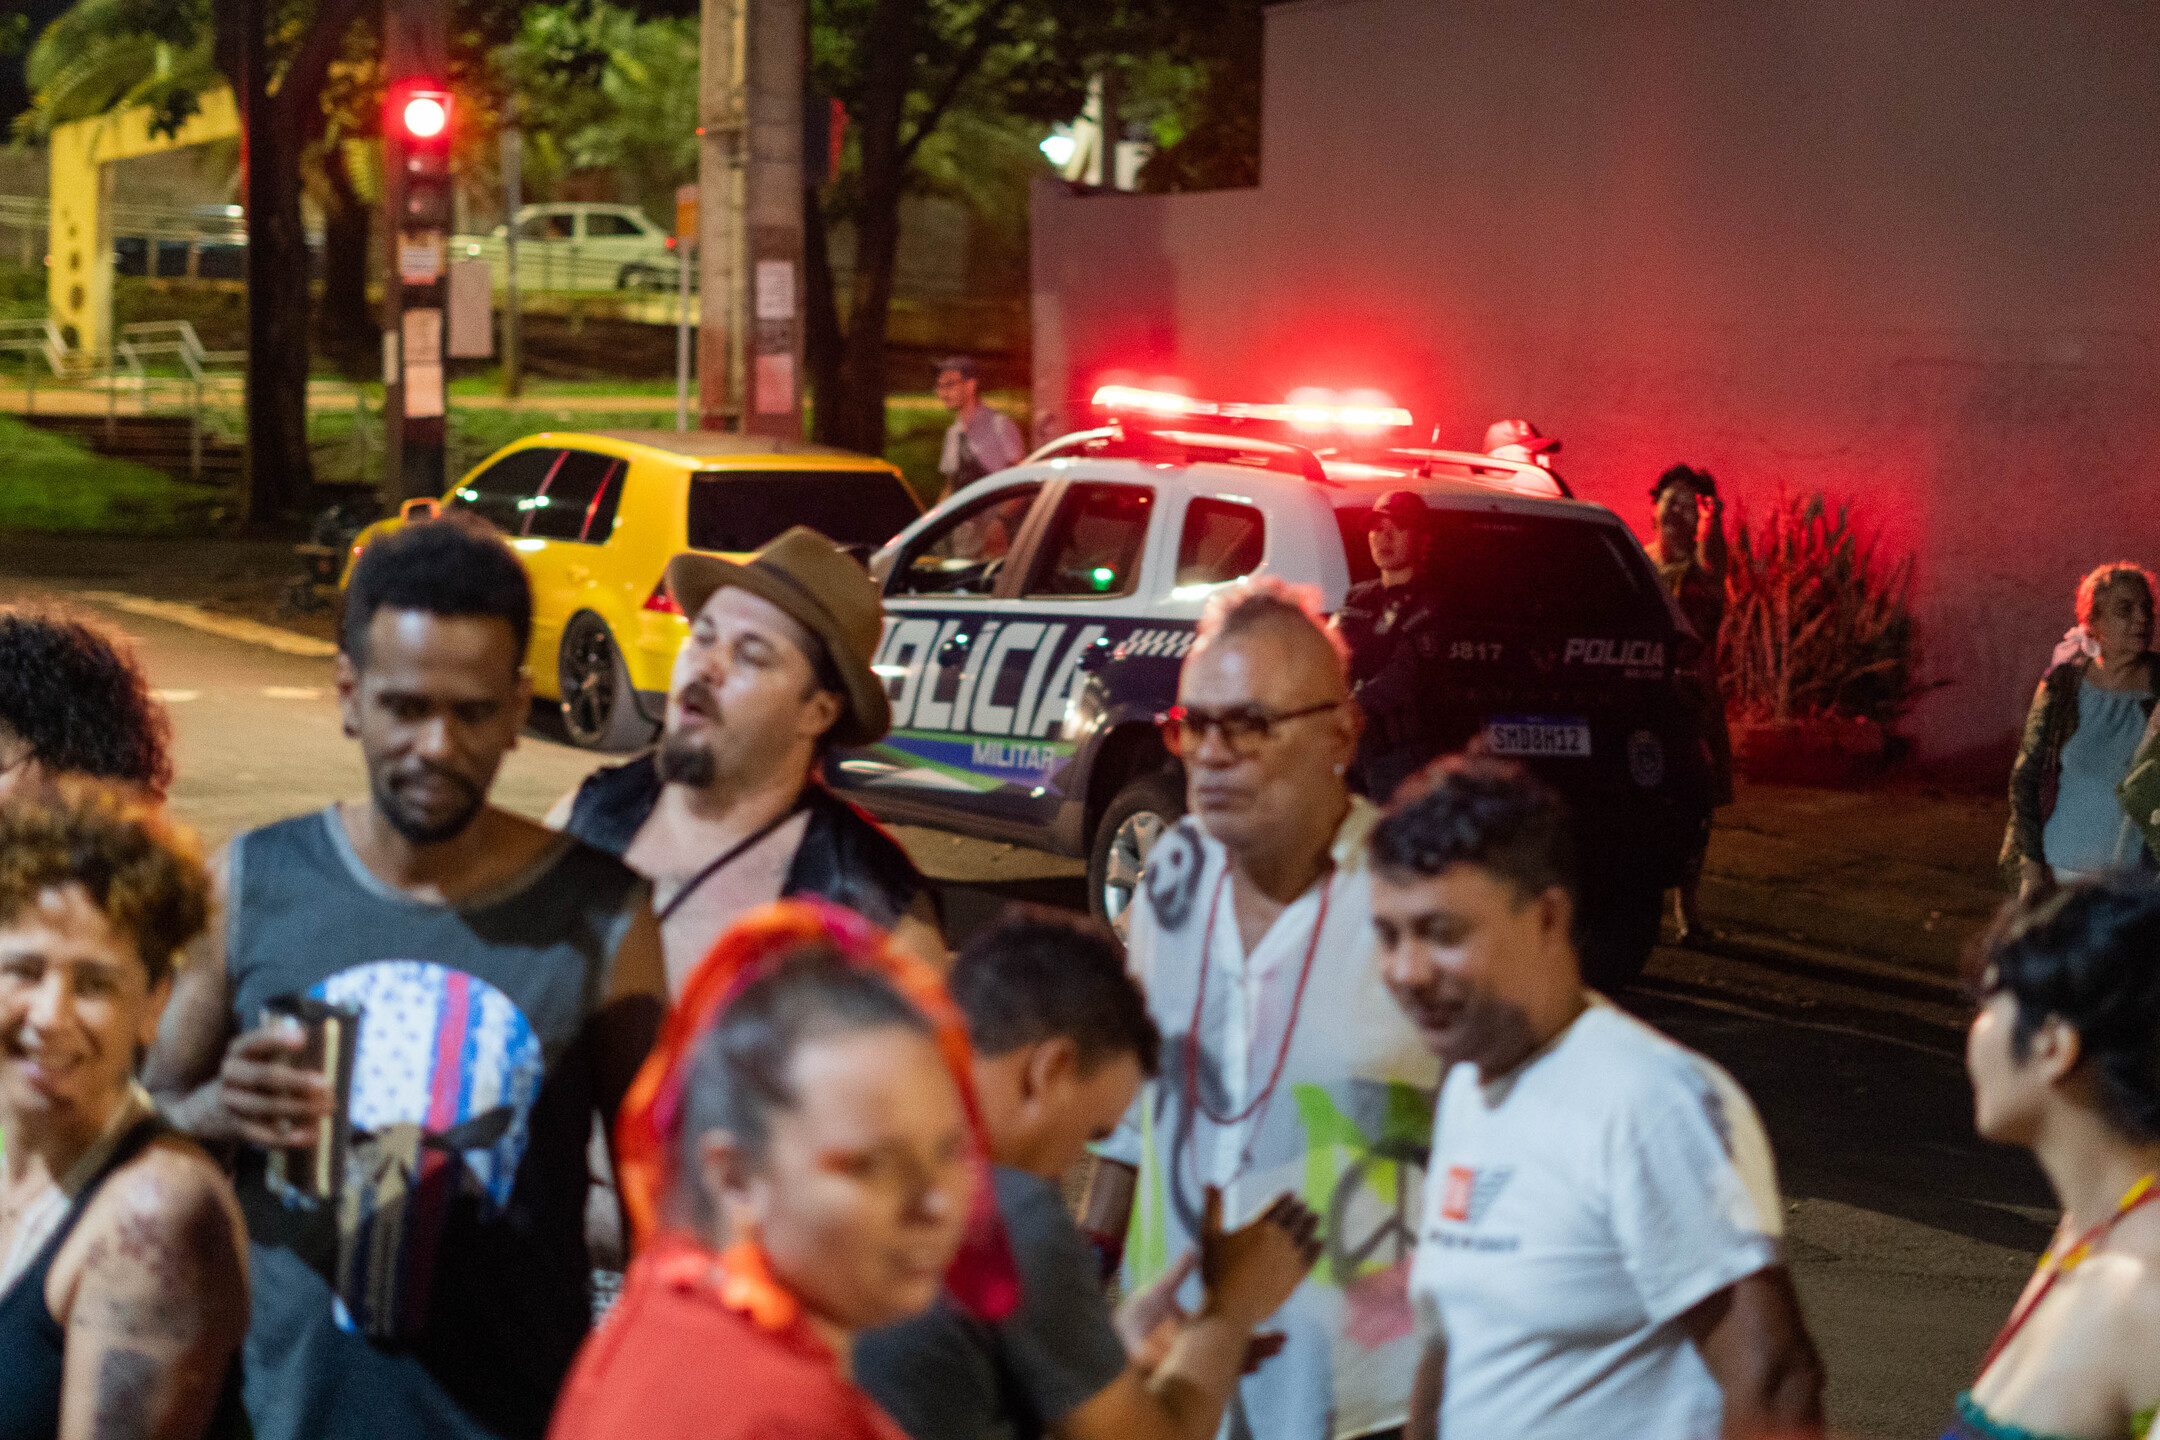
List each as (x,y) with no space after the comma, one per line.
(859,417)
(822,341)
(280,472)
(275,130)
(347,327)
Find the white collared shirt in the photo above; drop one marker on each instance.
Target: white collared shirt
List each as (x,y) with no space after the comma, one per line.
(1345,1127)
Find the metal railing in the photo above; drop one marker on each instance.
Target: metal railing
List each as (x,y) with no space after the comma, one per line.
(35,339)
(165,337)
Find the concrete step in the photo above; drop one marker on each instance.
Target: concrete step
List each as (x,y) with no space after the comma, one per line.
(161,442)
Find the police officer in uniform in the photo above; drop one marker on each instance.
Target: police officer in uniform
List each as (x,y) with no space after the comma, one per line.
(1391,626)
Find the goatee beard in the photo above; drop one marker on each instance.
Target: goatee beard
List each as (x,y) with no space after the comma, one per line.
(685,762)
(419,832)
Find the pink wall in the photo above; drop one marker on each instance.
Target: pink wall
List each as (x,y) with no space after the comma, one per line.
(1906,252)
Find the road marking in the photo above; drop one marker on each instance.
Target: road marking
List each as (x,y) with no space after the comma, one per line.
(177,697)
(232,627)
(291,692)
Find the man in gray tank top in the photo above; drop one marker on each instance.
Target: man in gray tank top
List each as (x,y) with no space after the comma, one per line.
(507,983)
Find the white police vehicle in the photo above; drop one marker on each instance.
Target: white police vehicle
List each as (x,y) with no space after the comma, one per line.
(1035,623)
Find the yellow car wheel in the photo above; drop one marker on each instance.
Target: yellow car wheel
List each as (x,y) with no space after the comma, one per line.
(599,708)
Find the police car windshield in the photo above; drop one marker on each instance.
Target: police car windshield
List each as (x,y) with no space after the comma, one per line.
(738,510)
(1538,571)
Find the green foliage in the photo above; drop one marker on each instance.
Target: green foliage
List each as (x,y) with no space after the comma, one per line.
(1817,620)
(602,89)
(51,485)
(106,55)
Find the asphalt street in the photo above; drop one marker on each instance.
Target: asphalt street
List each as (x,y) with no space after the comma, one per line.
(1909,1237)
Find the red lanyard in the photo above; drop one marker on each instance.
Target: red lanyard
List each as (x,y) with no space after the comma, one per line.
(2053,1268)
(1297,1002)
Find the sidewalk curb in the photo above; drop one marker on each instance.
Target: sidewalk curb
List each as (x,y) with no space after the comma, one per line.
(231,627)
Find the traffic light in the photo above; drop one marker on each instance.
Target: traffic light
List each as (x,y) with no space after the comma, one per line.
(417,116)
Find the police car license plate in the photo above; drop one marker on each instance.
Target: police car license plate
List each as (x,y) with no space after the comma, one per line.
(1537,736)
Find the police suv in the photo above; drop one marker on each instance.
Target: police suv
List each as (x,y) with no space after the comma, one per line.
(1035,623)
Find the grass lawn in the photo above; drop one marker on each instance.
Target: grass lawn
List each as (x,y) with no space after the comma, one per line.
(52,485)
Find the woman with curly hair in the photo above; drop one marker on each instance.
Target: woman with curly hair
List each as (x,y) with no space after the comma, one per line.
(73,700)
(123,1285)
(2065,1061)
(2083,736)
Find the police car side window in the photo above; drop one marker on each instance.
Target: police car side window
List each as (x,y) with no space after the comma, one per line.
(1093,546)
(503,493)
(963,555)
(1222,541)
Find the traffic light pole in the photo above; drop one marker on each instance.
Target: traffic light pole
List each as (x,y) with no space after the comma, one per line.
(416,143)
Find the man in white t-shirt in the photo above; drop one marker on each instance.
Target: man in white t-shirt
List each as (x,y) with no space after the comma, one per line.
(1285,1064)
(1600,1247)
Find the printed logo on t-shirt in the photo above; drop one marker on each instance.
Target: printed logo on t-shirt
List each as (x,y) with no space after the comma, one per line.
(1468,1192)
(444,1077)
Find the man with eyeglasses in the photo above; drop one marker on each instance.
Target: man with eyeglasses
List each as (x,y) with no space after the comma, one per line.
(1391,625)
(1285,1066)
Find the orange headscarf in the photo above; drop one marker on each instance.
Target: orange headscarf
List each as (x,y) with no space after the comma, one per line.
(983,1278)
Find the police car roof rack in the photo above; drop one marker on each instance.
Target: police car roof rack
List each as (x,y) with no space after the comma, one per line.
(1126,438)
(1455,465)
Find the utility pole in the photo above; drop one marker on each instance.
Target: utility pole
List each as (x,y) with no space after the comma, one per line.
(773,202)
(750,177)
(416,164)
(720,231)
(513,154)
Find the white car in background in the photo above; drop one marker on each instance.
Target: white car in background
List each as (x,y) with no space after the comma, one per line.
(579,245)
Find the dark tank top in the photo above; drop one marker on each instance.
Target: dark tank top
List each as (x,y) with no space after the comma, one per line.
(445,1291)
(35,1345)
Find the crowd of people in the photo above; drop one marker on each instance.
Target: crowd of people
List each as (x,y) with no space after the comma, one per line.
(350,1128)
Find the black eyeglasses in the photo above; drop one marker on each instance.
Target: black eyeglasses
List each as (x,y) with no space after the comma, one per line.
(1245,728)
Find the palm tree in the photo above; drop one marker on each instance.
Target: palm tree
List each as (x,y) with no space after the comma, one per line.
(93,60)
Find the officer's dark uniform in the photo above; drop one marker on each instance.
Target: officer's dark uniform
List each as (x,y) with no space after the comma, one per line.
(1394,637)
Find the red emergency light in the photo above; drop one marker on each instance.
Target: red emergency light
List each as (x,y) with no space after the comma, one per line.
(1305,409)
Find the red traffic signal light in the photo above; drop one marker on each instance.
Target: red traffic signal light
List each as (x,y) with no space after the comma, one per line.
(419,113)
(426,116)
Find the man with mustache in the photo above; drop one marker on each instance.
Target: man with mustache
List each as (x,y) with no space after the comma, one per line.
(1285,1065)
(728,814)
(477,992)
(1600,1248)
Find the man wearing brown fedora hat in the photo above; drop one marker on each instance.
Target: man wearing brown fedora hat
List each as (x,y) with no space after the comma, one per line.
(728,812)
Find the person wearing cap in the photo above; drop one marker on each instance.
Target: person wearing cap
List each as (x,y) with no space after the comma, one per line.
(980,440)
(727,813)
(1520,440)
(1689,552)
(1391,625)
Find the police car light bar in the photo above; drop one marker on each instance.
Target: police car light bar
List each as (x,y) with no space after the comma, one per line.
(1305,411)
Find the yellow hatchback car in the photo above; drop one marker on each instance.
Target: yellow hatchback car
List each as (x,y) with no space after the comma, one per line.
(596,518)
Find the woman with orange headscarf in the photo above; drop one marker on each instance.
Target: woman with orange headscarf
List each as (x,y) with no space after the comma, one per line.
(801,1160)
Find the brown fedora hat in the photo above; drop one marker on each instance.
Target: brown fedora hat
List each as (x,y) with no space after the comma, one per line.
(823,589)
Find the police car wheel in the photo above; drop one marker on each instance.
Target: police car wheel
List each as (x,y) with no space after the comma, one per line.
(1139,815)
(599,710)
(1619,929)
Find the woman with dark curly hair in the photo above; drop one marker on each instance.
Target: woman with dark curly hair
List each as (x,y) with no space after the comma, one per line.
(123,1284)
(73,699)
(2065,1061)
